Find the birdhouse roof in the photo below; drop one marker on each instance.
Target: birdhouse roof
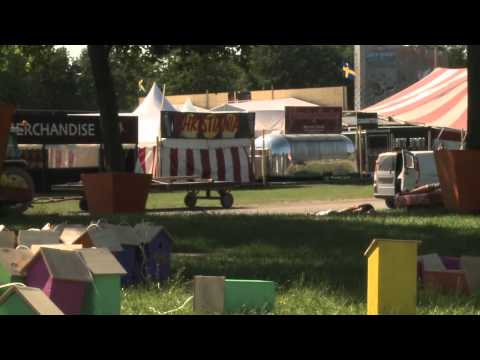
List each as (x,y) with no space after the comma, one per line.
(35,298)
(125,234)
(377,242)
(147,232)
(101,262)
(7,239)
(105,238)
(70,234)
(13,260)
(34,248)
(63,264)
(30,237)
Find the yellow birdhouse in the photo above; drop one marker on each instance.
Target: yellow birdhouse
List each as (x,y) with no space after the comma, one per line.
(392,277)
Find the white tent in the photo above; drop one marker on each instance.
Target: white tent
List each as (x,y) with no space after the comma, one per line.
(149,116)
(269,114)
(189,107)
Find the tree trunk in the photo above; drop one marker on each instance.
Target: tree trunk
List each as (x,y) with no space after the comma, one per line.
(107,101)
(473,127)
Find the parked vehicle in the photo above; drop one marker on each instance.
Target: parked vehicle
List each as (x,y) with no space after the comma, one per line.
(397,172)
(305,156)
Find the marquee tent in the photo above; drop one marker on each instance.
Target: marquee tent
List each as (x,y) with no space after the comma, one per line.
(149,116)
(438,100)
(269,114)
(189,107)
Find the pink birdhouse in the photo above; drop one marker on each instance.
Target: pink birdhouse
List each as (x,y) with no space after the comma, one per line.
(62,275)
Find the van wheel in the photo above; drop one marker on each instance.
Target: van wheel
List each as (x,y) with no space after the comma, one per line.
(390,202)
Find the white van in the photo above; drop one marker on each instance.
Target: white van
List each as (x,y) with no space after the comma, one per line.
(402,171)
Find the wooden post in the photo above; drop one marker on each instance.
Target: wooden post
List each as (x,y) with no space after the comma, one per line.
(264,175)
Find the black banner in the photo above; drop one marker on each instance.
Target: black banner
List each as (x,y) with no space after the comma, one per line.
(177,125)
(313,120)
(45,127)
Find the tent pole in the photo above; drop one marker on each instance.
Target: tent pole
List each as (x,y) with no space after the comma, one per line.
(158,170)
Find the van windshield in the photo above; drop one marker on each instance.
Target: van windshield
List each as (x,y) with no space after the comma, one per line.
(386,163)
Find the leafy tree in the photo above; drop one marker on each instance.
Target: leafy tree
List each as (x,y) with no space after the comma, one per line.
(105,89)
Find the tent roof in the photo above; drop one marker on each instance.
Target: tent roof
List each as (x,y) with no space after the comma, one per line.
(265,105)
(153,102)
(189,107)
(437,100)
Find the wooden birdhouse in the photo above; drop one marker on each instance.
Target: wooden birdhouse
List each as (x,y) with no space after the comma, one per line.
(35,248)
(392,277)
(157,244)
(43,237)
(23,300)
(8,239)
(76,235)
(103,294)
(218,295)
(62,275)
(131,256)
(11,262)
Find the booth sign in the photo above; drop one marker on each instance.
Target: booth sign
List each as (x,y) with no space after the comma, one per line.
(313,120)
(176,125)
(61,128)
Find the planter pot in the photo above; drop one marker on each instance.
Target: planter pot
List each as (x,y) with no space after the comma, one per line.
(116,192)
(459,175)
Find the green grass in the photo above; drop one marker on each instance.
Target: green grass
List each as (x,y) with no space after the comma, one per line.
(317,263)
(174,200)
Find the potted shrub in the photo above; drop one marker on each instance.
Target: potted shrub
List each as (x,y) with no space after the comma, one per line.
(112,190)
(458,169)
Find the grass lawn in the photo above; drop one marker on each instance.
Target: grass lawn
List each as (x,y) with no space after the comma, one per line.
(174,200)
(317,263)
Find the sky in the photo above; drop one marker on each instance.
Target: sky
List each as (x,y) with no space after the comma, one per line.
(74,50)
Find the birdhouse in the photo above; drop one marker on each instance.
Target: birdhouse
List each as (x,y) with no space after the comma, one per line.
(8,239)
(23,300)
(43,237)
(62,275)
(218,295)
(35,248)
(11,261)
(157,244)
(437,276)
(471,267)
(392,277)
(76,235)
(131,256)
(103,294)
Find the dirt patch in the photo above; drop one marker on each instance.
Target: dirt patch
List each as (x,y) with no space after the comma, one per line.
(291,207)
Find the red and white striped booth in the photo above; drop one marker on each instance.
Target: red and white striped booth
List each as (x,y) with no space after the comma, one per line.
(221,160)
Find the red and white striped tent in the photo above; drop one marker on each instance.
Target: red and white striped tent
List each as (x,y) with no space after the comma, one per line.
(438,100)
(222,160)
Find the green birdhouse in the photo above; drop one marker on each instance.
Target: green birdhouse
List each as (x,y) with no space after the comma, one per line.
(218,295)
(11,262)
(103,294)
(24,300)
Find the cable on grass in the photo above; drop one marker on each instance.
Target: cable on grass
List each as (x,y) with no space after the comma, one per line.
(171,311)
